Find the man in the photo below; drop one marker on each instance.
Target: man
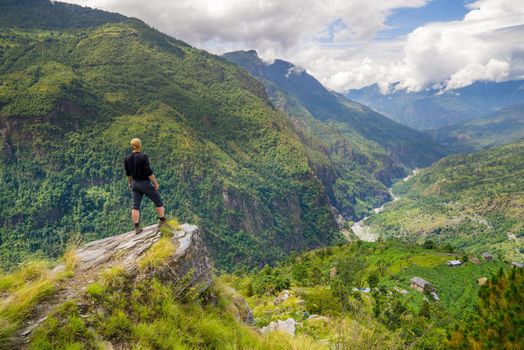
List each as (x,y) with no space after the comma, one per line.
(139,178)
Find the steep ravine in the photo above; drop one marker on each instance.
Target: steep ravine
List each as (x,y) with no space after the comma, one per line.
(364,232)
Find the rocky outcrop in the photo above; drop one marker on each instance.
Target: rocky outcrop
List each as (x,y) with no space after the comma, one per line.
(238,307)
(282,296)
(287,326)
(188,267)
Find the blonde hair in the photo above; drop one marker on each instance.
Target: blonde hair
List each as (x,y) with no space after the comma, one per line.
(136,144)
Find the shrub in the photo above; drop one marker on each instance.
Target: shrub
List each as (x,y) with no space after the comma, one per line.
(270,281)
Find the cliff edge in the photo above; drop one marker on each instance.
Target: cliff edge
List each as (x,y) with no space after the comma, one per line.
(174,255)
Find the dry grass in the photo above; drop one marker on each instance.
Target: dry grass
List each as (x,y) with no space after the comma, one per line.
(157,254)
(21,291)
(70,260)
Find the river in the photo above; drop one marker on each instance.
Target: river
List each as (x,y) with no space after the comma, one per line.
(363,232)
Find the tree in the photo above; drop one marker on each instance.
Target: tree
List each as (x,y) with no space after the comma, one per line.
(348,272)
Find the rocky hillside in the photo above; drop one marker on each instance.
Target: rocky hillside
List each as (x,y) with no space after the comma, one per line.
(175,257)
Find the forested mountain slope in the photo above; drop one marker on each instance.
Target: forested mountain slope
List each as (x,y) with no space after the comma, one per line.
(502,127)
(39,14)
(70,101)
(473,202)
(351,132)
(74,92)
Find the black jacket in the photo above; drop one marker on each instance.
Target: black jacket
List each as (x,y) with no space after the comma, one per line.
(137,166)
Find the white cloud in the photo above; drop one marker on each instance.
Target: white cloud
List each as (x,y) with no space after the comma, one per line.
(334,39)
(494,70)
(274,23)
(483,46)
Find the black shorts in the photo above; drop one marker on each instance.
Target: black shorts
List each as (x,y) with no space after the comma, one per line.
(141,187)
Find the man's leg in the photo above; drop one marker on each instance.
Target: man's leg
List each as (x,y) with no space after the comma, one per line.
(155,197)
(160,211)
(135,214)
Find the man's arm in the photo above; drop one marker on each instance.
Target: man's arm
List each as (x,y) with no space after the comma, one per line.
(149,172)
(153,180)
(128,174)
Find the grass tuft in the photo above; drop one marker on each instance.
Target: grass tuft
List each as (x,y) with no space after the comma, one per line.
(157,254)
(23,289)
(95,290)
(113,278)
(70,260)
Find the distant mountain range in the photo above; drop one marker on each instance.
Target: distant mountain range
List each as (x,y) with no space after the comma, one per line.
(502,127)
(430,109)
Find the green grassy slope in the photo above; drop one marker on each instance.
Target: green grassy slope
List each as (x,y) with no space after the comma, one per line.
(321,299)
(472,201)
(70,101)
(114,312)
(503,127)
(390,316)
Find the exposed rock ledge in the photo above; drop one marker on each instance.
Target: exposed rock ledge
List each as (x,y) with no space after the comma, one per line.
(188,267)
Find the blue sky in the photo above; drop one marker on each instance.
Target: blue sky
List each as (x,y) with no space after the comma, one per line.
(405,20)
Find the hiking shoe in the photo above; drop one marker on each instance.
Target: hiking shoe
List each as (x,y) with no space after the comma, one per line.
(138,230)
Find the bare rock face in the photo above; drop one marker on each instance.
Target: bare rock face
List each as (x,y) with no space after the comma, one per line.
(188,268)
(282,296)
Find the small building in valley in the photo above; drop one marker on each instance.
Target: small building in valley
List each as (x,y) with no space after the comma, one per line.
(482,281)
(487,256)
(454,263)
(421,285)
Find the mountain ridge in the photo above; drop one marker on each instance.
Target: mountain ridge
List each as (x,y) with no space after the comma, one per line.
(303,97)
(501,127)
(432,108)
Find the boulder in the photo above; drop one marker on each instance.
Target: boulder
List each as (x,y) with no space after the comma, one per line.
(239,306)
(287,326)
(188,268)
(282,296)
